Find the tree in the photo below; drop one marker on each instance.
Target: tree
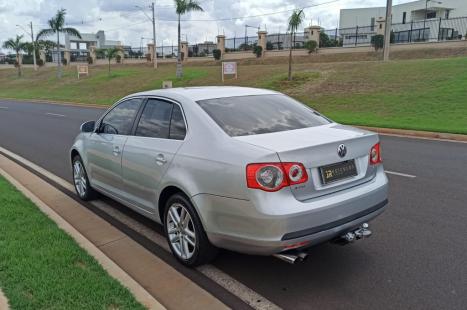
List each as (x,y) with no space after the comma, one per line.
(17,45)
(377,41)
(295,20)
(108,53)
(258,51)
(183,7)
(56,25)
(217,53)
(311,46)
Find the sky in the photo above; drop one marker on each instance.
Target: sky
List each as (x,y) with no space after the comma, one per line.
(125,20)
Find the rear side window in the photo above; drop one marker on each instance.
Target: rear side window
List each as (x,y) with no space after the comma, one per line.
(177,124)
(251,115)
(161,119)
(155,120)
(120,119)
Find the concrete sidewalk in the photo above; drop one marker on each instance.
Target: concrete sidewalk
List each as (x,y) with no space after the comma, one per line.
(145,272)
(3,302)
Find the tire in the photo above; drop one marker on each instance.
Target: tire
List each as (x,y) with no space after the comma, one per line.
(81,182)
(188,242)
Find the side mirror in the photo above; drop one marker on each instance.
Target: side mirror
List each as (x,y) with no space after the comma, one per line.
(88,126)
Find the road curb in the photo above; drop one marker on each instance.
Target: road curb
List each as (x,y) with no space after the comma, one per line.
(429,135)
(140,294)
(3,301)
(164,284)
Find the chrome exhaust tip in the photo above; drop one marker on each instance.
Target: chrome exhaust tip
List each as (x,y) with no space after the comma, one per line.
(292,258)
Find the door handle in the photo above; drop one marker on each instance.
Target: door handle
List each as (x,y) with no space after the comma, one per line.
(160,159)
(116,151)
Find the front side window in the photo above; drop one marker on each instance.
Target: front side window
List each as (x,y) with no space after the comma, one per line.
(120,119)
(251,115)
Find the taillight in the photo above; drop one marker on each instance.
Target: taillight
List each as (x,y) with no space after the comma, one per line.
(375,154)
(272,177)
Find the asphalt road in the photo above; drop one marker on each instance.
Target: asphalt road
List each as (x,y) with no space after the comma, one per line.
(416,259)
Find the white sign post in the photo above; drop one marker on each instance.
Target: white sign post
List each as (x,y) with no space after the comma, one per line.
(83,69)
(229,68)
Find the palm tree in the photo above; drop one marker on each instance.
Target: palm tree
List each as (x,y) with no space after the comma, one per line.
(109,53)
(17,46)
(295,21)
(183,7)
(56,25)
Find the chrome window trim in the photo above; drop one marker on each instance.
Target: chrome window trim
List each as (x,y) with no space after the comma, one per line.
(99,121)
(171,101)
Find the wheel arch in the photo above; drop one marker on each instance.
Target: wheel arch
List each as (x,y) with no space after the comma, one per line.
(73,153)
(165,194)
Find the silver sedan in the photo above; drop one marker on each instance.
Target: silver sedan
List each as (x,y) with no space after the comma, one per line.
(244,169)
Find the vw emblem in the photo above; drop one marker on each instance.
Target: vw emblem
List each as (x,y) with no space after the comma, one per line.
(342,150)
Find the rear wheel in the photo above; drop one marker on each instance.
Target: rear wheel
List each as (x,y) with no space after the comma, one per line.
(81,181)
(185,234)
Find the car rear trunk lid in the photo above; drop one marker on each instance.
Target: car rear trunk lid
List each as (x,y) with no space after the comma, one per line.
(316,147)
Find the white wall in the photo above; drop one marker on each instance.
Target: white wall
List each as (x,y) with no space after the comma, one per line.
(362,16)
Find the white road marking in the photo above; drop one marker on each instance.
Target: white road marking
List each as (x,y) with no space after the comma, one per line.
(400,174)
(246,294)
(54,114)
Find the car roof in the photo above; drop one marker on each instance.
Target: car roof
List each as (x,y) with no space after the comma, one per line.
(207,92)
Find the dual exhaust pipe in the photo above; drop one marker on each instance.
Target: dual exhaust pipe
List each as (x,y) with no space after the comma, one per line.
(349,237)
(292,258)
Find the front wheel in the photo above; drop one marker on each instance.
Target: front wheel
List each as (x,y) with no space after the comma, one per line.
(185,234)
(81,181)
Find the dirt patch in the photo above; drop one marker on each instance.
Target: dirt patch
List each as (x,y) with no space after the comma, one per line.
(344,57)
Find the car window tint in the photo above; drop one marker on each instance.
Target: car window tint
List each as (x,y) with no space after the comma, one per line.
(177,124)
(155,119)
(251,115)
(120,119)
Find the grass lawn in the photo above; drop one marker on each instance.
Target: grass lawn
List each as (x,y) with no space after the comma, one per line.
(424,94)
(41,267)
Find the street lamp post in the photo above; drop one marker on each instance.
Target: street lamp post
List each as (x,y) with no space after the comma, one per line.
(387,30)
(246,33)
(33,43)
(153,20)
(424,18)
(154,35)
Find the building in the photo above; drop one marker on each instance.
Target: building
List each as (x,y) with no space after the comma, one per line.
(423,20)
(79,48)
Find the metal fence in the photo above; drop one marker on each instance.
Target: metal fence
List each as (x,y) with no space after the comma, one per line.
(236,44)
(437,29)
(279,41)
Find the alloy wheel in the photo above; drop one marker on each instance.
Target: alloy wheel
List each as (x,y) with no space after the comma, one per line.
(79,177)
(181,231)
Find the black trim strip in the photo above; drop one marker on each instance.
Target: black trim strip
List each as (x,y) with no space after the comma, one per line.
(320,228)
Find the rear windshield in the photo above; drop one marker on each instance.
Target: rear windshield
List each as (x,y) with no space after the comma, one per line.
(251,115)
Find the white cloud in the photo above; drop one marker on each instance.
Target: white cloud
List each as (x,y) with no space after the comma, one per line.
(123,21)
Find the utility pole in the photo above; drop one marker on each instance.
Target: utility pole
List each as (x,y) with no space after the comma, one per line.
(33,48)
(387,30)
(154,35)
(424,18)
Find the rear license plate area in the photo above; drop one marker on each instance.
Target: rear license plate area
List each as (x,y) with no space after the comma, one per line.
(338,171)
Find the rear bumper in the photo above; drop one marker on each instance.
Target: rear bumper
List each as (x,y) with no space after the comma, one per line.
(269,222)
